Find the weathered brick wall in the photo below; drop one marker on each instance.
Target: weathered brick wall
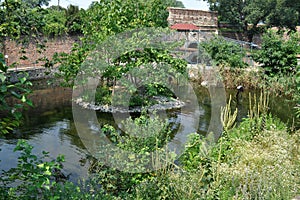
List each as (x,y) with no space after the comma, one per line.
(200,18)
(14,50)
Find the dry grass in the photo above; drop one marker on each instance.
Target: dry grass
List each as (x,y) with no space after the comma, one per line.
(268,167)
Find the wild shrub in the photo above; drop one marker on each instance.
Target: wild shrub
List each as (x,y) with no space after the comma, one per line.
(278,53)
(141,137)
(32,176)
(10,114)
(224,53)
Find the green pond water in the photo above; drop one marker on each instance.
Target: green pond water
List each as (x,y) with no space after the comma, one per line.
(50,126)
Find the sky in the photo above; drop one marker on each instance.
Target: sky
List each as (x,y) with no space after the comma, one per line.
(192,4)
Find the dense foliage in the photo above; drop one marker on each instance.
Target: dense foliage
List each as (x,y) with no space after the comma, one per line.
(11,115)
(29,19)
(21,18)
(63,21)
(224,53)
(111,17)
(246,15)
(55,22)
(258,159)
(278,53)
(275,66)
(108,18)
(145,139)
(140,65)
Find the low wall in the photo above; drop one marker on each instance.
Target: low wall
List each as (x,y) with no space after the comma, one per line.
(33,74)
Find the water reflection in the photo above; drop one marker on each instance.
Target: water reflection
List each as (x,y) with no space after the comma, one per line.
(50,126)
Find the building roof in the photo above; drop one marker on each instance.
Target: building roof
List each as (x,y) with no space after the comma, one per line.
(184,26)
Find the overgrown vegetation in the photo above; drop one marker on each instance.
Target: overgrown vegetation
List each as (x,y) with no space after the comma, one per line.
(26,18)
(278,53)
(10,113)
(102,17)
(144,75)
(257,159)
(275,67)
(225,53)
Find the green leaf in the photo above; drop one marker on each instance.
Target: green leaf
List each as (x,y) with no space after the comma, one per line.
(2,77)
(3,89)
(29,102)
(23,99)
(16,94)
(41,165)
(23,80)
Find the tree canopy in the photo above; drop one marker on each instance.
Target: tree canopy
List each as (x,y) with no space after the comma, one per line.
(108,17)
(35,3)
(278,53)
(30,17)
(21,18)
(247,14)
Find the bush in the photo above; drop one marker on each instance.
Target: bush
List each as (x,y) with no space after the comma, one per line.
(33,176)
(142,137)
(224,53)
(278,53)
(10,115)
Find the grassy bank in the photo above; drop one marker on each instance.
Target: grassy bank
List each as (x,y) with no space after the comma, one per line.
(259,159)
(254,78)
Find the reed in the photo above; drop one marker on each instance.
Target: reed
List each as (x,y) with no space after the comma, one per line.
(227,117)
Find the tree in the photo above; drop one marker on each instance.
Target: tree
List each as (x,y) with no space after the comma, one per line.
(109,17)
(246,15)
(175,3)
(296,6)
(74,19)
(36,3)
(55,21)
(286,14)
(20,18)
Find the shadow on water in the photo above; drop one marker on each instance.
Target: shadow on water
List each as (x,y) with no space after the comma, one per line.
(50,126)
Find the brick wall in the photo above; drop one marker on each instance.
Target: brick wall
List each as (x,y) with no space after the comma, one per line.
(14,50)
(202,19)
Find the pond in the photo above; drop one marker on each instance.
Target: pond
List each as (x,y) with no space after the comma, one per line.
(50,126)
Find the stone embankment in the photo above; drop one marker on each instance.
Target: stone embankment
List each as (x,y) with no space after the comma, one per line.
(163,104)
(34,73)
